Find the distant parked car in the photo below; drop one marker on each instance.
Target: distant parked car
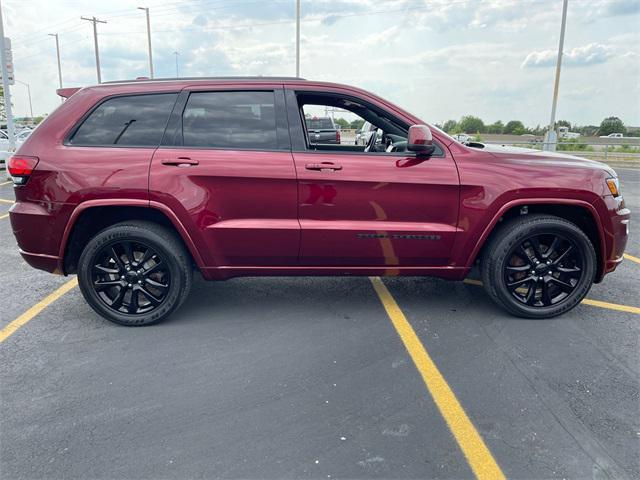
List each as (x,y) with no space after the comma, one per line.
(563,132)
(323,130)
(463,138)
(613,135)
(364,134)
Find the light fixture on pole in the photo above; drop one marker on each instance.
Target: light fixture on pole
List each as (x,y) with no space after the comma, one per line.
(551,137)
(146,10)
(29,93)
(58,55)
(95,21)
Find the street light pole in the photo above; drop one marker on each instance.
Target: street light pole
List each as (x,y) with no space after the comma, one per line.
(551,138)
(176,54)
(146,10)
(297,38)
(58,55)
(6,92)
(95,21)
(29,93)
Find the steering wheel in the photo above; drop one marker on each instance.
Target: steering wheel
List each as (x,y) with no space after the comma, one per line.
(372,142)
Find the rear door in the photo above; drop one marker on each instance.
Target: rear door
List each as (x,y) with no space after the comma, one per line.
(226,169)
(373,208)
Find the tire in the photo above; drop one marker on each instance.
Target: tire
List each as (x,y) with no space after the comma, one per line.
(135,273)
(531,274)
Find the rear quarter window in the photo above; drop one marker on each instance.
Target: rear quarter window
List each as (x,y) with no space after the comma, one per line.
(133,120)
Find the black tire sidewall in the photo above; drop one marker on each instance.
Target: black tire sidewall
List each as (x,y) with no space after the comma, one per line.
(518,233)
(136,234)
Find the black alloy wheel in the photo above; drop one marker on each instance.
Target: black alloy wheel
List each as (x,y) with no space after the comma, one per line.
(542,270)
(131,277)
(538,265)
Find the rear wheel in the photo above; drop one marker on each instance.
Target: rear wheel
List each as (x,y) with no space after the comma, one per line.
(135,273)
(538,266)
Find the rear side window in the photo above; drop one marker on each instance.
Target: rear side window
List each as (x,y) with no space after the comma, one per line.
(230,120)
(320,124)
(136,120)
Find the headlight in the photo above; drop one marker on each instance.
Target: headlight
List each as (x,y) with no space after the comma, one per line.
(614,186)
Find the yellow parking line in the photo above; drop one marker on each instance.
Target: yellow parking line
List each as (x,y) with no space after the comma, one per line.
(4,216)
(611,306)
(586,301)
(10,329)
(2,200)
(632,258)
(473,447)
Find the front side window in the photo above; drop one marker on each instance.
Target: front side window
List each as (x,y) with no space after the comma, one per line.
(230,120)
(136,120)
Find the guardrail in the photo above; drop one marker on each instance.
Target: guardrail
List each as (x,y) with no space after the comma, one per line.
(595,151)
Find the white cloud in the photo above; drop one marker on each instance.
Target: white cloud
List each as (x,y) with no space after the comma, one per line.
(591,54)
(382,38)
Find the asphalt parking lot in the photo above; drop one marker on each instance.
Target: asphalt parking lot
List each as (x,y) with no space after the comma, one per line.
(320,378)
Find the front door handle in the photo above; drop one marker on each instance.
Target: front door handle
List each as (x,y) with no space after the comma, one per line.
(179,162)
(323,167)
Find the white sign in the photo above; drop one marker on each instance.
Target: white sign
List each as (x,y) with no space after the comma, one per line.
(9,59)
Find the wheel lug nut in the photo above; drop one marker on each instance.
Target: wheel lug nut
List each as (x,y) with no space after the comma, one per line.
(139,282)
(130,285)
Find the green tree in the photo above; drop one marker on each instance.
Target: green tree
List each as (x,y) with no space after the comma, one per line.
(496,127)
(514,127)
(342,122)
(357,124)
(449,126)
(611,125)
(563,123)
(471,124)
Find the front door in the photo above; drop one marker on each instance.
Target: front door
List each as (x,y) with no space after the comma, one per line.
(380,207)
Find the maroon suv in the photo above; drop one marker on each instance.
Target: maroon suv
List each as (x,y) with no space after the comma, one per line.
(133,184)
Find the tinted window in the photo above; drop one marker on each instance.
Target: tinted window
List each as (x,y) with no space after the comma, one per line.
(320,124)
(230,120)
(133,120)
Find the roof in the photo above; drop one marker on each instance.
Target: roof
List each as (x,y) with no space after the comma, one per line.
(209,79)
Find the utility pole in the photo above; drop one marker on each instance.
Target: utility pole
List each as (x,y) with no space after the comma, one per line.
(58,55)
(551,138)
(29,93)
(95,21)
(297,38)
(6,92)
(176,54)
(146,10)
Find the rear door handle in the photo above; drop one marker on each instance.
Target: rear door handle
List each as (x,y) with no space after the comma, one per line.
(180,162)
(323,167)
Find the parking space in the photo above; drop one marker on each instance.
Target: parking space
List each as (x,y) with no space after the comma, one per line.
(319,378)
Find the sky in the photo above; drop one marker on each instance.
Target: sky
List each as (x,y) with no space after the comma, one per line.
(439,59)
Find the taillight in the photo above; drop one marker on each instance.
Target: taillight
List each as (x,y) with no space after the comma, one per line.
(21,167)
(338,136)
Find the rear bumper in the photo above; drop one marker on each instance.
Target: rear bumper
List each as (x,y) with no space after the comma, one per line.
(41,261)
(37,229)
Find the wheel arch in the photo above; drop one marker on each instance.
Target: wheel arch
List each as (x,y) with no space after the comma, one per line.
(582,213)
(92,216)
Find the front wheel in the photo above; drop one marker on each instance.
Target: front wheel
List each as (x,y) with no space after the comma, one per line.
(135,273)
(538,266)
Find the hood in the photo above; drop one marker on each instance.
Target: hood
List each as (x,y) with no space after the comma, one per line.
(539,157)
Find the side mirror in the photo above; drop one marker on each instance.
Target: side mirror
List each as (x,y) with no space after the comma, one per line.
(420,140)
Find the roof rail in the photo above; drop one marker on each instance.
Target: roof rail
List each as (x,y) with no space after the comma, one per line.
(169,79)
